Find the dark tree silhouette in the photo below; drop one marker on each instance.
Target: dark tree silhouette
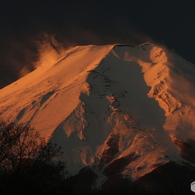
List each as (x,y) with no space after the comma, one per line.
(28,164)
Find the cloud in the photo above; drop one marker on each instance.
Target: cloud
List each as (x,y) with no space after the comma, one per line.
(24,72)
(48,50)
(25,53)
(14,57)
(21,56)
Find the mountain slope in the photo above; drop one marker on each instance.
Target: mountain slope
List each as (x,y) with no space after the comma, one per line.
(121,110)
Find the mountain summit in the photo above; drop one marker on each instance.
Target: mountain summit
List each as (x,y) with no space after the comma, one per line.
(122,110)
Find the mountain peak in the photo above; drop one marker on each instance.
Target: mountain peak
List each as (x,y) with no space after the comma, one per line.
(120,109)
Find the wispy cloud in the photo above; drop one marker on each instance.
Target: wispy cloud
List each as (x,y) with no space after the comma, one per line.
(48,50)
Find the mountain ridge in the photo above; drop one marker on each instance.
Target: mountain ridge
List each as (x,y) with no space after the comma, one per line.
(109,107)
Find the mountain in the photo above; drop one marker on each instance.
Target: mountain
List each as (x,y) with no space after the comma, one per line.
(121,110)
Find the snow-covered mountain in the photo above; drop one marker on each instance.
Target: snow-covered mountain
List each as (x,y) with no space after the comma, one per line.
(119,109)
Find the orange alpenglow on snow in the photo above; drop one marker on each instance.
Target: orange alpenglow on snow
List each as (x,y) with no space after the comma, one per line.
(106,103)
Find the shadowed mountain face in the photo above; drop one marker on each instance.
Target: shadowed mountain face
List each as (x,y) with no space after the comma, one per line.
(171,178)
(122,111)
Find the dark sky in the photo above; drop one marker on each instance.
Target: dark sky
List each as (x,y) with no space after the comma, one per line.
(169,22)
